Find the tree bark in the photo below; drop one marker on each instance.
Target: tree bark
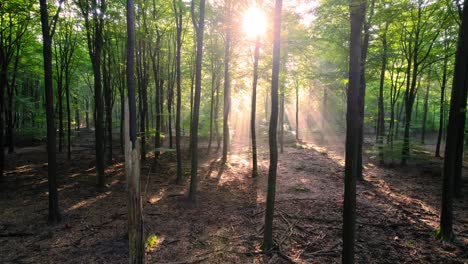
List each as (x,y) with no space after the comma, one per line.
(178,12)
(272,133)
(425,110)
(227,93)
(132,152)
(199,26)
(455,130)
(442,108)
(254,109)
(47,34)
(352,164)
(381,110)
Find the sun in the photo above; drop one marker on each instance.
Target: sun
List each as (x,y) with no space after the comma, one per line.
(255,22)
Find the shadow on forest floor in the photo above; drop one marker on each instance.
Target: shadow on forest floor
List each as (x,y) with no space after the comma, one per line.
(397,210)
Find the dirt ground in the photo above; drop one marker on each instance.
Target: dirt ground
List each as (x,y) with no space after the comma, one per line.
(397,210)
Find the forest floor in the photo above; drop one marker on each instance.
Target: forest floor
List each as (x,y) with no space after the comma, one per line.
(397,210)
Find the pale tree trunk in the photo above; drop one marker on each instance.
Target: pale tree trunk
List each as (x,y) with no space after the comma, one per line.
(254,109)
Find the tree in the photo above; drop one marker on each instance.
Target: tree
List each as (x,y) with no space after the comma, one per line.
(48,30)
(178,11)
(362,89)
(455,130)
(352,164)
(381,110)
(65,45)
(14,25)
(254,108)
(93,12)
(272,132)
(419,38)
(132,160)
(199,30)
(227,82)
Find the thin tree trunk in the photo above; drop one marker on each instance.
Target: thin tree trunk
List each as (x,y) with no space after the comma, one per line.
(442,108)
(179,16)
(254,109)
(425,110)
(297,111)
(272,133)
(200,26)
(362,88)
(227,95)
(47,33)
(381,111)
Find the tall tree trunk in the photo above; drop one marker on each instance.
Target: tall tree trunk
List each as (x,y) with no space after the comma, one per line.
(272,133)
(94,32)
(67,91)
(362,88)
(254,109)
(297,111)
(60,109)
(227,93)
(47,33)
(216,116)
(425,109)
(132,160)
(213,83)
(200,26)
(281,117)
(179,16)
(442,108)
(455,130)
(381,111)
(3,81)
(108,103)
(357,11)
(155,58)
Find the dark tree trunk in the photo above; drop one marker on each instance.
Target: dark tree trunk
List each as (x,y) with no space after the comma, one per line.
(135,220)
(442,108)
(216,116)
(353,130)
(199,26)
(3,80)
(47,33)
(178,10)
(60,109)
(281,118)
(106,66)
(362,88)
(67,91)
(455,130)
(272,133)
(155,58)
(10,111)
(213,84)
(142,74)
(254,109)
(94,22)
(381,111)
(425,110)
